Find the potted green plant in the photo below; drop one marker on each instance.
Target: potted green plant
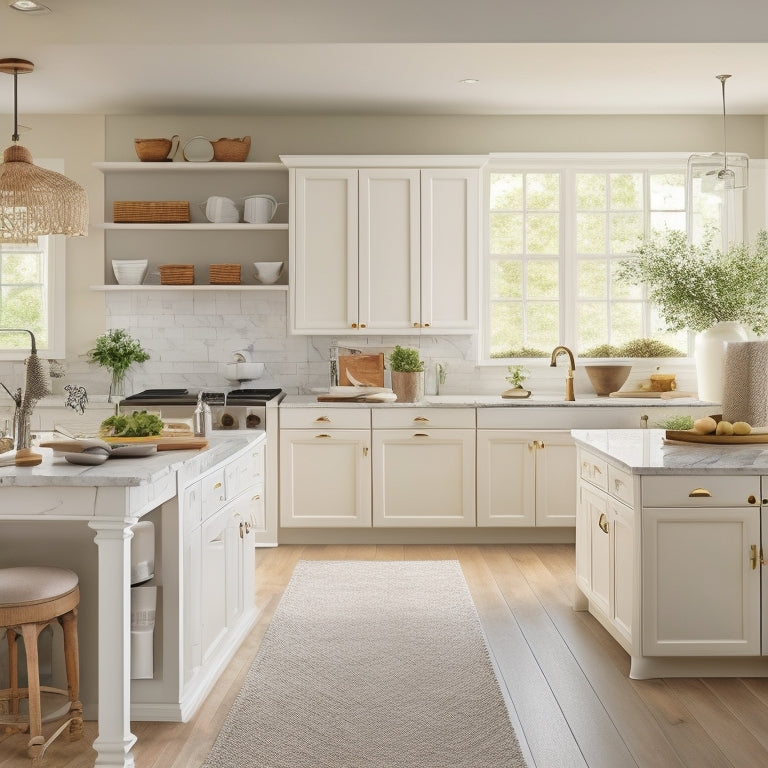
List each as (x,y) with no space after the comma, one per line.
(719,294)
(517,374)
(117,351)
(407,374)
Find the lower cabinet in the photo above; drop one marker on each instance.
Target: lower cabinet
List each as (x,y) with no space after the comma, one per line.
(525,478)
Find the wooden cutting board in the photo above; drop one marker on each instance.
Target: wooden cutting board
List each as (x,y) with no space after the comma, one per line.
(165,443)
(367,370)
(686,436)
(650,394)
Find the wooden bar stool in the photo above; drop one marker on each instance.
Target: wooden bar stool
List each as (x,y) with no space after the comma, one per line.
(31,598)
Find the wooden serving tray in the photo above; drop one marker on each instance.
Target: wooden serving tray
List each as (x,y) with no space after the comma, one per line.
(164,443)
(759,435)
(651,394)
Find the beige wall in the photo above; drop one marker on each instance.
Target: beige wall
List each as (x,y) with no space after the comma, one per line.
(355,134)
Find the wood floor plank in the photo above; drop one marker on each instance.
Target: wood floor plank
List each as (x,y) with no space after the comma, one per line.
(544,728)
(748,708)
(728,732)
(389,552)
(597,736)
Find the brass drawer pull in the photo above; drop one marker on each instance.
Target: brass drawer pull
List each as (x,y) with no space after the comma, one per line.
(324,435)
(421,418)
(420,434)
(699,493)
(323,419)
(603,523)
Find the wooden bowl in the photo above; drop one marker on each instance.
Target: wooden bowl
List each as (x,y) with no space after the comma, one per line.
(607,378)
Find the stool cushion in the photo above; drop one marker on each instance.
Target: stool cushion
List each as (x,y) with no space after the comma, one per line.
(34,584)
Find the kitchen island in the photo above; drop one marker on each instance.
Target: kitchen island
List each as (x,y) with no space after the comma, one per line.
(669,551)
(205,505)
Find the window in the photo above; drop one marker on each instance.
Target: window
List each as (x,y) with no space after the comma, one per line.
(558,229)
(32,297)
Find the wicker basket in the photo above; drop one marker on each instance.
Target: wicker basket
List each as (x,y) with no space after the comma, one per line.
(177,274)
(224,274)
(151,211)
(231,150)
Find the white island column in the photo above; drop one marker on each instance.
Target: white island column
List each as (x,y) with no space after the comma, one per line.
(115,740)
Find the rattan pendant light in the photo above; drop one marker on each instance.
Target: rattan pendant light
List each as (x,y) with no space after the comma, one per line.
(35,201)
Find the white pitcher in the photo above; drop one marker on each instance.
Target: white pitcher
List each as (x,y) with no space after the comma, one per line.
(259,209)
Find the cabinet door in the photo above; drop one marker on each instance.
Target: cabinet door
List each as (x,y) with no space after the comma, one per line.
(555,479)
(701,589)
(389,268)
(192,586)
(424,478)
(213,579)
(621,527)
(584,538)
(596,512)
(323,250)
(325,478)
(506,486)
(450,246)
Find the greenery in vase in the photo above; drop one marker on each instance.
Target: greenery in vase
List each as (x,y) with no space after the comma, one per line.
(696,286)
(517,375)
(405,360)
(117,351)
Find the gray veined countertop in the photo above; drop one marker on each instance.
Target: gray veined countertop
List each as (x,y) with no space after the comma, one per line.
(643,452)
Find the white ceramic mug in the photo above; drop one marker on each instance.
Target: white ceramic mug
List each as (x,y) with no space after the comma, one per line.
(268,272)
(259,209)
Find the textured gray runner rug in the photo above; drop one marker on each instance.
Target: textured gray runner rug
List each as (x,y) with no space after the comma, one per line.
(371,665)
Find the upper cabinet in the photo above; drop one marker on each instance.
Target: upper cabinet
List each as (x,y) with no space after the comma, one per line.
(384,244)
(199,242)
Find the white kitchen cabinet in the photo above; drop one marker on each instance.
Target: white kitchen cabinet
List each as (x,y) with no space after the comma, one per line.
(605,544)
(423,467)
(525,478)
(381,245)
(702,571)
(197,241)
(325,478)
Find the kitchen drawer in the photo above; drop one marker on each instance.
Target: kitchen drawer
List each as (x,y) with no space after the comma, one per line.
(245,471)
(213,492)
(593,470)
(325,418)
(621,485)
(700,491)
(423,418)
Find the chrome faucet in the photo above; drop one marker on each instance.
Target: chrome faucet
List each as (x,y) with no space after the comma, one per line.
(571,365)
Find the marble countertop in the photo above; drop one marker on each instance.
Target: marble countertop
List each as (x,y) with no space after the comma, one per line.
(643,452)
(496,401)
(57,471)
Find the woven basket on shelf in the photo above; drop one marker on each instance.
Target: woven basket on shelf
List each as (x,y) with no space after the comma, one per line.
(224,274)
(177,274)
(231,150)
(151,211)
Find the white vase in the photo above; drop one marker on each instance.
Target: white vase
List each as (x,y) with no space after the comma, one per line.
(710,357)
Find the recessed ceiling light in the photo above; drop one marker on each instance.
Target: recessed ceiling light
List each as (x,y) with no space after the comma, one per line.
(29,6)
(469,81)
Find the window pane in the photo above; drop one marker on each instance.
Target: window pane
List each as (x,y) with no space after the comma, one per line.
(542,280)
(506,233)
(506,279)
(592,322)
(590,279)
(667,191)
(590,233)
(621,290)
(590,191)
(627,191)
(626,322)
(507,327)
(543,233)
(507,191)
(542,191)
(661,221)
(23,307)
(543,325)
(626,232)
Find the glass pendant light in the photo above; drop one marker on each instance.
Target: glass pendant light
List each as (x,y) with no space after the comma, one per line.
(719,170)
(34,201)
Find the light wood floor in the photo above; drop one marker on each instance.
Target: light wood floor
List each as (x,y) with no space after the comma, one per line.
(567,679)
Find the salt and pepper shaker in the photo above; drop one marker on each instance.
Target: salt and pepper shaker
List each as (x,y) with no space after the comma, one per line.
(201,419)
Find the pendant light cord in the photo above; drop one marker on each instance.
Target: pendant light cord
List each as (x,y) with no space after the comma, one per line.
(15,136)
(722,79)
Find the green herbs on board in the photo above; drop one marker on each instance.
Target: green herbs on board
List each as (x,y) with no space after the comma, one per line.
(137,424)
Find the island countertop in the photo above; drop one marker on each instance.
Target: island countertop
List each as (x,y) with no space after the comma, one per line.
(643,452)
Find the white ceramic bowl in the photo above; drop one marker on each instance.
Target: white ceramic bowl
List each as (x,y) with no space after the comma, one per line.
(268,272)
(129,271)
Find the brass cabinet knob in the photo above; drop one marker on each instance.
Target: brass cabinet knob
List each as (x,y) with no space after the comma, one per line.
(603,523)
(426,325)
(751,499)
(362,325)
(415,325)
(354,325)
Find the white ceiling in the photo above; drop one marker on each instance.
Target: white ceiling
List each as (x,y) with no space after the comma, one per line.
(388,57)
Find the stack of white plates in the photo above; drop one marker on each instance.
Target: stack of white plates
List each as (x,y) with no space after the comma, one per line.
(129,271)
